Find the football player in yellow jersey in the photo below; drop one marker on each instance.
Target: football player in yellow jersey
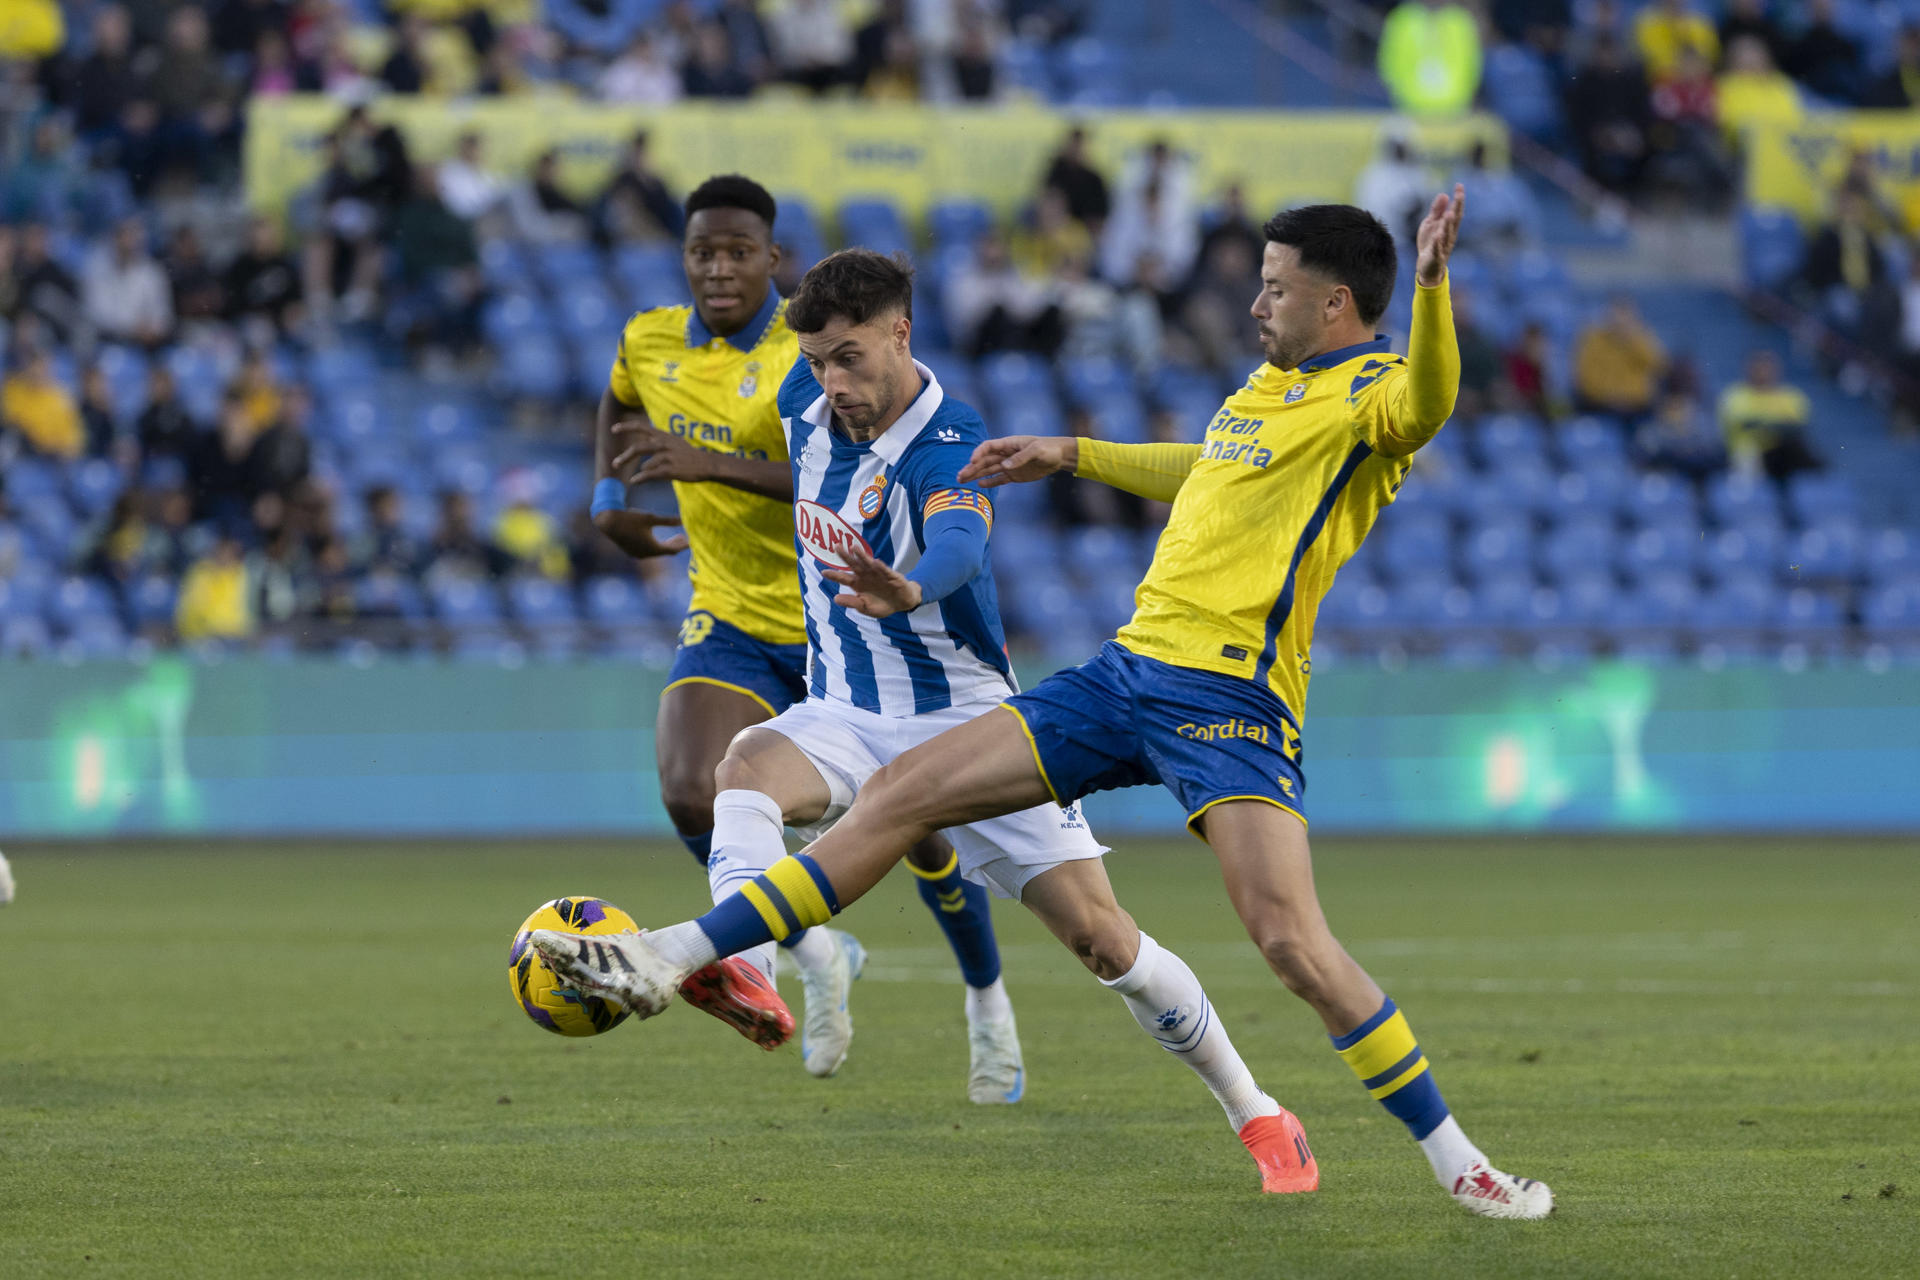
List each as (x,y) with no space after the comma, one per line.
(691,399)
(1205,690)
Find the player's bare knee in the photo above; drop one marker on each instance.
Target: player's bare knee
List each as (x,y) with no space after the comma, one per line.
(1295,958)
(735,773)
(1107,943)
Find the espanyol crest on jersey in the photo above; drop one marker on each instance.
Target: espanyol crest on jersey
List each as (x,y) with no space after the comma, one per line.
(878,495)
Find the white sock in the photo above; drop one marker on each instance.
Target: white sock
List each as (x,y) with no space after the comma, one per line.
(1170,1005)
(812,950)
(685,944)
(747,839)
(989,1003)
(1450,1152)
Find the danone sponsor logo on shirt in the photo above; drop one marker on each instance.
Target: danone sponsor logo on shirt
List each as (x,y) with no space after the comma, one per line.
(824,534)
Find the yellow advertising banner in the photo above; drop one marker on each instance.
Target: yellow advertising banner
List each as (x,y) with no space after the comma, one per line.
(915,155)
(1797,166)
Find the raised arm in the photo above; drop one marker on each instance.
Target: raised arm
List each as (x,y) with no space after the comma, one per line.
(1154,471)
(1409,409)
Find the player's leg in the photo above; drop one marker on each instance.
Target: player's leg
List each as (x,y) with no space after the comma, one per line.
(978,769)
(1075,900)
(1268,870)
(698,717)
(765,784)
(964,912)
(6,881)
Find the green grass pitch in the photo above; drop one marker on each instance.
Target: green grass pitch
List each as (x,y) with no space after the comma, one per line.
(303,1060)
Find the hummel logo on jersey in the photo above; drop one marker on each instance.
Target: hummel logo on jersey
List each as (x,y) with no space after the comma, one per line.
(670,371)
(953,900)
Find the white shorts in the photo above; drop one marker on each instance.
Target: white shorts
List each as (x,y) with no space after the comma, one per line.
(848,746)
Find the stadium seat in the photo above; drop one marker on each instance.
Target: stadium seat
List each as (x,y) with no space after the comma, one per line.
(1119,418)
(1509,438)
(1589,598)
(1892,553)
(1577,546)
(1742,499)
(540,602)
(1771,247)
(1805,612)
(95,483)
(588,314)
(489,648)
(388,595)
(534,368)
(504,265)
(51,527)
(1415,543)
(1821,495)
(95,637)
(566,266)
(1660,500)
(464,603)
(874,224)
(958,222)
(24,637)
(1012,378)
(151,599)
(798,231)
(29,478)
(1501,598)
(125,369)
(1591,442)
(1737,603)
(1654,549)
(1521,90)
(1825,551)
(1748,549)
(509,317)
(1597,486)
(1894,608)
(1091,380)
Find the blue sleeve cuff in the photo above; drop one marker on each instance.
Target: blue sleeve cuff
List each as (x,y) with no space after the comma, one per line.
(956,553)
(608,495)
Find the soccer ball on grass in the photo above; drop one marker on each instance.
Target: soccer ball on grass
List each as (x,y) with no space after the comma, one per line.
(543,994)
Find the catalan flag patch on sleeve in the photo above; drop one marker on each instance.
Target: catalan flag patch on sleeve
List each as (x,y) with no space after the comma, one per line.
(959,500)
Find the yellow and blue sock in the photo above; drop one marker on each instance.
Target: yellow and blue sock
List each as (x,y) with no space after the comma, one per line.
(700,846)
(1383,1053)
(791,895)
(966,916)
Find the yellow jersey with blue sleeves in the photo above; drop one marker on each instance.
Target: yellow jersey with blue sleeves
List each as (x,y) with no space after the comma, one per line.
(719,393)
(1291,475)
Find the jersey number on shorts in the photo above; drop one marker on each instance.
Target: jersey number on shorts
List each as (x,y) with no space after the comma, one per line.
(696,627)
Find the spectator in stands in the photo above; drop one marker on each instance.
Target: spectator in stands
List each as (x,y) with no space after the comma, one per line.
(504,73)
(1753,91)
(1750,18)
(199,296)
(1120,322)
(1765,422)
(259,391)
(1899,88)
(366,175)
(1073,503)
(1845,274)
(469,188)
(263,285)
(281,458)
(1608,113)
(386,544)
(439,261)
(1153,210)
(897,78)
(1529,373)
(9,278)
(871,39)
(121,546)
(527,538)
(1822,57)
(1210,327)
(44,292)
(543,213)
(1430,57)
(1617,363)
(1540,24)
(239,24)
(98,417)
(47,181)
(220,473)
(275,73)
(456,550)
(712,71)
(1395,187)
(127,294)
(101,87)
(1679,437)
(992,306)
(1479,357)
(164,428)
(177,541)
(281,576)
(194,98)
(747,36)
(1686,131)
(35,404)
(1055,237)
(813,43)
(1079,182)
(974,61)
(1233,223)
(641,75)
(635,205)
(215,602)
(405,70)
(1667,27)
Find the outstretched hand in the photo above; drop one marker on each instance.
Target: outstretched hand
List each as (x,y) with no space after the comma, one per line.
(668,457)
(1016,459)
(1439,232)
(878,590)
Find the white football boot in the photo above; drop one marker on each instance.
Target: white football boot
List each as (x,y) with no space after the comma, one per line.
(619,967)
(1484,1190)
(828,1030)
(6,881)
(995,1073)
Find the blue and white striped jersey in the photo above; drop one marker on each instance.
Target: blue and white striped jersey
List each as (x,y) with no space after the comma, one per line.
(946,653)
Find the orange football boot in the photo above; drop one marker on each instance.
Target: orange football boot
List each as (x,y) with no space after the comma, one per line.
(736,992)
(1279,1147)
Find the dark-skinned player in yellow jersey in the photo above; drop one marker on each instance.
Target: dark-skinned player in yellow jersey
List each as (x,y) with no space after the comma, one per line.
(1205,690)
(691,400)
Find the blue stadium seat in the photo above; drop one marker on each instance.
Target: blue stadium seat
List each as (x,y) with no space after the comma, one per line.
(1737,603)
(1534,274)
(1507,438)
(1804,612)
(566,266)
(1502,598)
(1771,247)
(959,222)
(1744,550)
(126,372)
(615,602)
(1602,488)
(588,313)
(52,528)
(1892,553)
(341,366)
(504,265)
(1660,500)
(1742,499)
(1428,602)
(489,648)
(1414,543)
(151,600)
(509,317)
(540,602)
(1339,607)
(1654,549)
(465,603)
(1091,380)
(1023,65)
(1120,419)
(1589,598)
(1893,608)
(24,594)
(388,595)
(1818,496)
(1665,597)
(1826,551)
(798,231)
(1011,378)
(1093,72)
(534,368)
(1579,545)
(96,482)
(446,421)
(24,637)
(95,637)
(1590,441)
(874,224)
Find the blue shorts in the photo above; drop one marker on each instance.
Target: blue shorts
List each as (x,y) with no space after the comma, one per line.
(719,653)
(1121,720)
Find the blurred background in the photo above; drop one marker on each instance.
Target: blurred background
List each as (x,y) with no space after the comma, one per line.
(304,306)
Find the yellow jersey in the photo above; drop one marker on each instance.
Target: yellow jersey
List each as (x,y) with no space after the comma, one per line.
(1294,469)
(718,393)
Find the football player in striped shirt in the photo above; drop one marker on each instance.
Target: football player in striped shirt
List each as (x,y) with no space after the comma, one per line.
(900,652)
(691,399)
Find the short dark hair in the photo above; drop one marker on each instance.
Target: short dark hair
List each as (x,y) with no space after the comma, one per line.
(855,285)
(1346,244)
(733,191)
